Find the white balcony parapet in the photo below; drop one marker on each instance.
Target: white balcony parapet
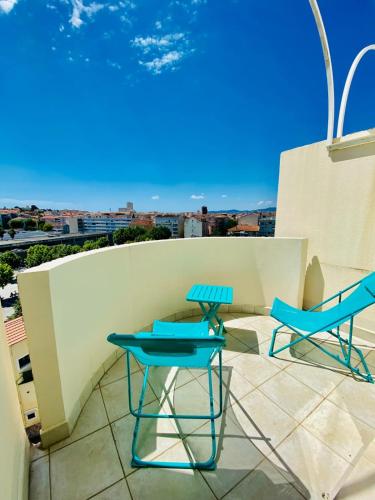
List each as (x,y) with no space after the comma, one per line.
(70,305)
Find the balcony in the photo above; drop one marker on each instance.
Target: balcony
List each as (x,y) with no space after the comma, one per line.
(294,427)
(284,432)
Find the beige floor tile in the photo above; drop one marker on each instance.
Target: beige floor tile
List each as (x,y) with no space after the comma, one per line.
(369,452)
(235,386)
(360,485)
(85,467)
(321,379)
(249,337)
(119,370)
(316,469)
(236,455)
(292,396)
(118,491)
(176,484)
(255,368)
(92,418)
(166,379)
(264,483)
(339,430)
(39,486)
(357,398)
(155,436)
(319,358)
(190,399)
(262,421)
(115,396)
(233,347)
(36,452)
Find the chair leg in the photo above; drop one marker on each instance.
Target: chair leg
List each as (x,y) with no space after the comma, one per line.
(272,345)
(203,465)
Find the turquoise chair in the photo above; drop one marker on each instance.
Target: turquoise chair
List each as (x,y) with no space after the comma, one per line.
(307,323)
(184,345)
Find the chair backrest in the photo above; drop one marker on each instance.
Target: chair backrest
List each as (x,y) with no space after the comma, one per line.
(359,299)
(172,349)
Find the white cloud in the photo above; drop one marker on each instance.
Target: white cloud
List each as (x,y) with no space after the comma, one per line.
(224,196)
(79,9)
(197,196)
(167,60)
(7,5)
(149,42)
(158,25)
(266,202)
(155,197)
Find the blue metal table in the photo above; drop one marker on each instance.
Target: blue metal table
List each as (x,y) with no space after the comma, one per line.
(210,298)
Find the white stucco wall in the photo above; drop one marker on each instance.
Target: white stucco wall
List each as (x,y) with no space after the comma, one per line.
(72,304)
(14,444)
(329,198)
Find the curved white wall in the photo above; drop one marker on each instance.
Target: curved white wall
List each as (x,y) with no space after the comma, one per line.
(14,463)
(72,304)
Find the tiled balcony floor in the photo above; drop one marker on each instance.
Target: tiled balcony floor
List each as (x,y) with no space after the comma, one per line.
(294,427)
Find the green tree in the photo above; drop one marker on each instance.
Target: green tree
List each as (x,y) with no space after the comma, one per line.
(229,224)
(102,242)
(160,233)
(59,251)
(89,245)
(11,259)
(30,224)
(37,254)
(6,274)
(12,233)
(142,237)
(17,309)
(124,235)
(16,223)
(47,227)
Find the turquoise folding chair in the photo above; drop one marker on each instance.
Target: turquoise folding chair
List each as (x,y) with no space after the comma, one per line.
(312,322)
(184,345)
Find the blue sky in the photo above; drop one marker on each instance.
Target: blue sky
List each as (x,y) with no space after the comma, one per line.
(171,104)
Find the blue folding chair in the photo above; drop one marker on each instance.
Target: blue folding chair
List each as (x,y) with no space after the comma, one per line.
(312,322)
(184,345)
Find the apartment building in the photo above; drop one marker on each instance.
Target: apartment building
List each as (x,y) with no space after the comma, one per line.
(23,375)
(174,222)
(104,222)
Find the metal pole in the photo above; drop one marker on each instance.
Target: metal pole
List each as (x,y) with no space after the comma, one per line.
(345,94)
(329,71)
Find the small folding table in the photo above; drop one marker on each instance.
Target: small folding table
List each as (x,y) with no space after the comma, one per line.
(210,298)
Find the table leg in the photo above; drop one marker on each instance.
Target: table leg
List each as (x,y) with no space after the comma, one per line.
(210,313)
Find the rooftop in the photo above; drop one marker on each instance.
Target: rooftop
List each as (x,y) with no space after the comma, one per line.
(15,331)
(295,426)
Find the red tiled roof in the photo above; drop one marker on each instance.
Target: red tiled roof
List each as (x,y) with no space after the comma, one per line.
(15,330)
(243,227)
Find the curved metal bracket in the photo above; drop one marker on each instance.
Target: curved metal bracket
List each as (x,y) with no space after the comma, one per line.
(329,71)
(345,94)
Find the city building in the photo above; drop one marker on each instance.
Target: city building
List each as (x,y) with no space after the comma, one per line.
(193,227)
(267,225)
(204,210)
(244,230)
(104,222)
(174,222)
(248,219)
(23,376)
(128,209)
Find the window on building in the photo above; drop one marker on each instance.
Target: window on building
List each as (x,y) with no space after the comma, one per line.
(30,414)
(24,361)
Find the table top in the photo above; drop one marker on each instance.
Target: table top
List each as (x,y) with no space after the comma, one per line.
(210,293)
